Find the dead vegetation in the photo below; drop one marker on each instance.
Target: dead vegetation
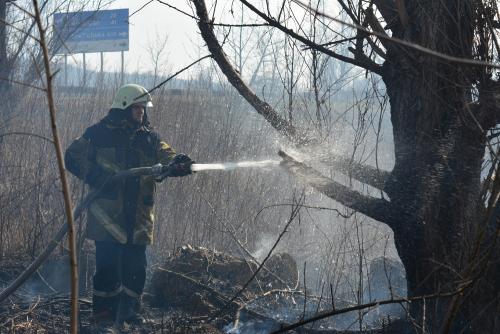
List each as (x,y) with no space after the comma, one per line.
(182,296)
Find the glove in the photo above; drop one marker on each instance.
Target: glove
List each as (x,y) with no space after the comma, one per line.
(180,159)
(97,177)
(182,164)
(181,169)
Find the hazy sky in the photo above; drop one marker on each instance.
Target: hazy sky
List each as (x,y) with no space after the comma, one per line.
(154,19)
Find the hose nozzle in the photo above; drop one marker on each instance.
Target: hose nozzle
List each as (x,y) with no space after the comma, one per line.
(175,170)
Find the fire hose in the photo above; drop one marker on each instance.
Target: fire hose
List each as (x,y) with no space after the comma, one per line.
(157,170)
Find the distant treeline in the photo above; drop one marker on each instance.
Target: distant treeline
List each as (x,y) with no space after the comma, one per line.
(340,95)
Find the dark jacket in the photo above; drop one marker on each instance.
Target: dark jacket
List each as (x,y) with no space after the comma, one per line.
(124,213)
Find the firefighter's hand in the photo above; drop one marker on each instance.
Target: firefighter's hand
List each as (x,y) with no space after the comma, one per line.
(182,166)
(97,177)
(181,169)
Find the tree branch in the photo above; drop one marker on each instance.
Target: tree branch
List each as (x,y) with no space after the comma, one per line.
(26,134)
(62,170)
(366,174)
(398,300)
(23,83)
(365,63)
(411,46)
(392,50)
(376,208)
(369,175)
(403,14)
(22,31)
(263,108)
(388,10)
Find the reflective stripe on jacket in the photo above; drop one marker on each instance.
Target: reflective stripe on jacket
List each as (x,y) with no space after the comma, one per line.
(124,213)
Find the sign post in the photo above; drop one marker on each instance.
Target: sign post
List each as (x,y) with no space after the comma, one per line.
(123,75)
(99,31)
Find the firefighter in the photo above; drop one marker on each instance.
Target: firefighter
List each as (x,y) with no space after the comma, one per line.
(120,219)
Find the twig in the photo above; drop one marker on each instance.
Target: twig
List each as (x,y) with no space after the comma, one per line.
(27,134)
(305,292)
(195,282)
(192,313)
(60,245)
(319,302)
(173,76)
(412,46)
(294,213)
(62,172)
(125,19)
(305,48)
(331,293)
(415,326)
(242,248)
(23,83)
(423,317)
(177,9)
(22,9)
(18,29)
(363,306)
(218,294)
(62,41)
(360,317)
(212,23)
(43,279)
(237,316)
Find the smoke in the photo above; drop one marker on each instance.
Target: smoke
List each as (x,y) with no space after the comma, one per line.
(54,276)
(251,327)
(264,245)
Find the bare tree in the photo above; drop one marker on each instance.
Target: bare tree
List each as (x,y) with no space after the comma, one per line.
(157,54)
(440,75)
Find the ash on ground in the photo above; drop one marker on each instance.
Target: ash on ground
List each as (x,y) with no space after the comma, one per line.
(186,294)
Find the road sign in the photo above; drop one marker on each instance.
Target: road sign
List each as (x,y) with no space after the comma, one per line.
(100,31)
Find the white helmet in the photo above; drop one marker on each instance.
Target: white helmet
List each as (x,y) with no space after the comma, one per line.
(131,94)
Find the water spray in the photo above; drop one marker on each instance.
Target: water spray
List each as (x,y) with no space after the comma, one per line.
(234,165)
(157,170)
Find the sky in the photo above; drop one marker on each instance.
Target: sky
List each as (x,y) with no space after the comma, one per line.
(154,19)
(151,19)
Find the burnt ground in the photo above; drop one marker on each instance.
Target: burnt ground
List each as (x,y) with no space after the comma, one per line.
(184,293)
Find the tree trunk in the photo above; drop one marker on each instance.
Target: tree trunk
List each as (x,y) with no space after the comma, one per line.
(435,192)
(436,181)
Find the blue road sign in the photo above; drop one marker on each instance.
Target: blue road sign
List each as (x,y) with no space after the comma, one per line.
(100,31)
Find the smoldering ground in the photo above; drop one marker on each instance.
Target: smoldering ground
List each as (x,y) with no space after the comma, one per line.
(189,288)
(332,247)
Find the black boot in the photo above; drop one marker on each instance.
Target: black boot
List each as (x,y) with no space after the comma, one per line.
(129,309)
(105,310)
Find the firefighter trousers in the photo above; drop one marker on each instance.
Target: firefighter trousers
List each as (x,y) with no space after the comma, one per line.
(120,269)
